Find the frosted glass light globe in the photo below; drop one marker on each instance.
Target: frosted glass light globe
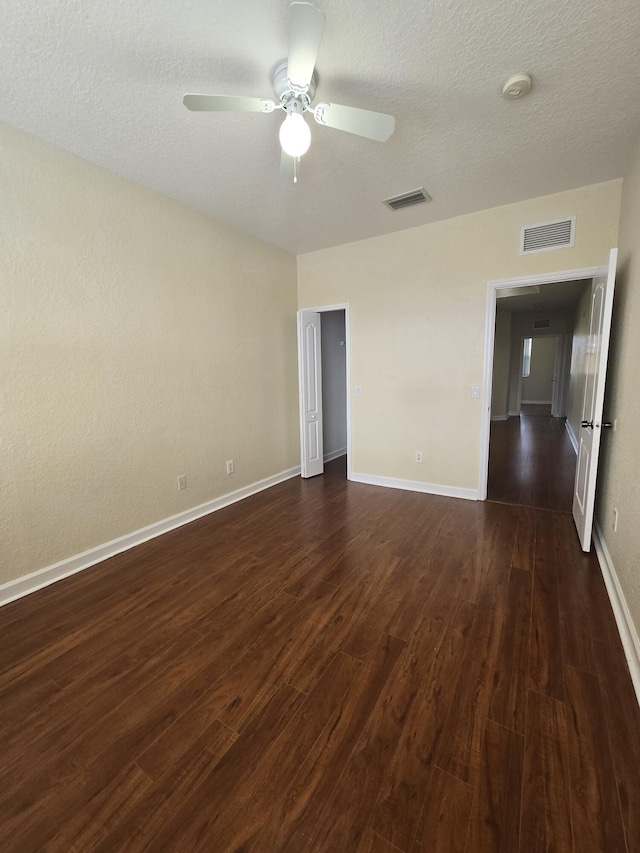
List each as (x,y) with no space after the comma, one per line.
(295,136)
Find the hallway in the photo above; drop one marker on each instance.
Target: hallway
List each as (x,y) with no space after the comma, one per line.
(531,461)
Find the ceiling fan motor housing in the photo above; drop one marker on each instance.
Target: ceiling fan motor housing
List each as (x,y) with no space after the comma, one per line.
(282,88)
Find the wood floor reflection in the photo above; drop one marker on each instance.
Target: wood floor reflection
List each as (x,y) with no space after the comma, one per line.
(532,461)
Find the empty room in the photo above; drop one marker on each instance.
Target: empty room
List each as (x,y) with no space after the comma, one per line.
(319,479)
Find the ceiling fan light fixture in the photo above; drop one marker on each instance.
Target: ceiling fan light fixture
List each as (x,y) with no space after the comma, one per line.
(294,87)
(295,136)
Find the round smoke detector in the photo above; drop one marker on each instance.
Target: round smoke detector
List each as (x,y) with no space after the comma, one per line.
(516,87)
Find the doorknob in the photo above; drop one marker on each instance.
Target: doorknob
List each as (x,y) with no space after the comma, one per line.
(606,424)
(587,424)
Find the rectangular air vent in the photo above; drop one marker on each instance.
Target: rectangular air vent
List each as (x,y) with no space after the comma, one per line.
(547,236)
(397,202)
(542,324)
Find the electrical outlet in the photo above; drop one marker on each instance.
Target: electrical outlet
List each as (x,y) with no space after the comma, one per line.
(230,466)
(358,390)
(615,521)
(418,456)
(182,482)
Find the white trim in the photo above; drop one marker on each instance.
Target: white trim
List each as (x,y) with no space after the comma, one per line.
(50,574)
(341,306)
(513,415)
(487,386)
(572,436)
(626,628)
(346,307)
(489,339)
(549,277)
(335,454)
(537,402)
(499,417)
(415,486)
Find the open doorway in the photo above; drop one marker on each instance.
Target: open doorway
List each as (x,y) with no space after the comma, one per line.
(334,384)
(536,394)
(587,378)
(323,359)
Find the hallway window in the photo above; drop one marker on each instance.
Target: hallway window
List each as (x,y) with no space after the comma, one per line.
(526,357)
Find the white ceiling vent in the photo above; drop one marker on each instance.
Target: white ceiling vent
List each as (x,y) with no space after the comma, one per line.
(548,236)
(542,324)
(418,196)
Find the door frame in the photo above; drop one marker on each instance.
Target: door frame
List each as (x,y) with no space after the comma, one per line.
(324,309)
(493,287)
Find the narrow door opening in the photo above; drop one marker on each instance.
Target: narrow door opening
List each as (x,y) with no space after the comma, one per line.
(323,336)
(334,391)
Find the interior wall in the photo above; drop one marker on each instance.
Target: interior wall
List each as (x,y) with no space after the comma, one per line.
(501,366)
(560,323)
(139,341)
(334,383)
(578,373)
(418,303)
(561,393)
(619,477)
(538,386)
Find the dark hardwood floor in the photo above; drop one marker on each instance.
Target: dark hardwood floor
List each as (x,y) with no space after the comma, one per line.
(326,666)
(531,461)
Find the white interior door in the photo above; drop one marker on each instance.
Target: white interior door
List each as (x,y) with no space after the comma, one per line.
(591,429)
(310,373)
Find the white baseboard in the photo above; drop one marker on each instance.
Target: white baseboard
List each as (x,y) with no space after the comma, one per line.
(50,574)
(499,417)
(334,454)
(628,632)
(415,486)
(572,436)
(513,415)
(537,402)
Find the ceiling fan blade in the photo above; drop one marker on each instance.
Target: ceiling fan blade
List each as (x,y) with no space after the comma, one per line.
(306,24)
(289,167)
(378,126)
(228,103)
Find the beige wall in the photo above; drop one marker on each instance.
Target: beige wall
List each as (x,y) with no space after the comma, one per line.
(139,340)
(619,477)
(579,363)
(538,386)
(418,301)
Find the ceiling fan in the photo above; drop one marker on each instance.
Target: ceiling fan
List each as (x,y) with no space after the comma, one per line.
(294,86)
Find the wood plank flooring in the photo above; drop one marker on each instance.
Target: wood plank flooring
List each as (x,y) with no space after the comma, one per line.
(327,666)
(531,461)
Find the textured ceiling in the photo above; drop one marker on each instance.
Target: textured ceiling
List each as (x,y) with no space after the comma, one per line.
(105,80)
